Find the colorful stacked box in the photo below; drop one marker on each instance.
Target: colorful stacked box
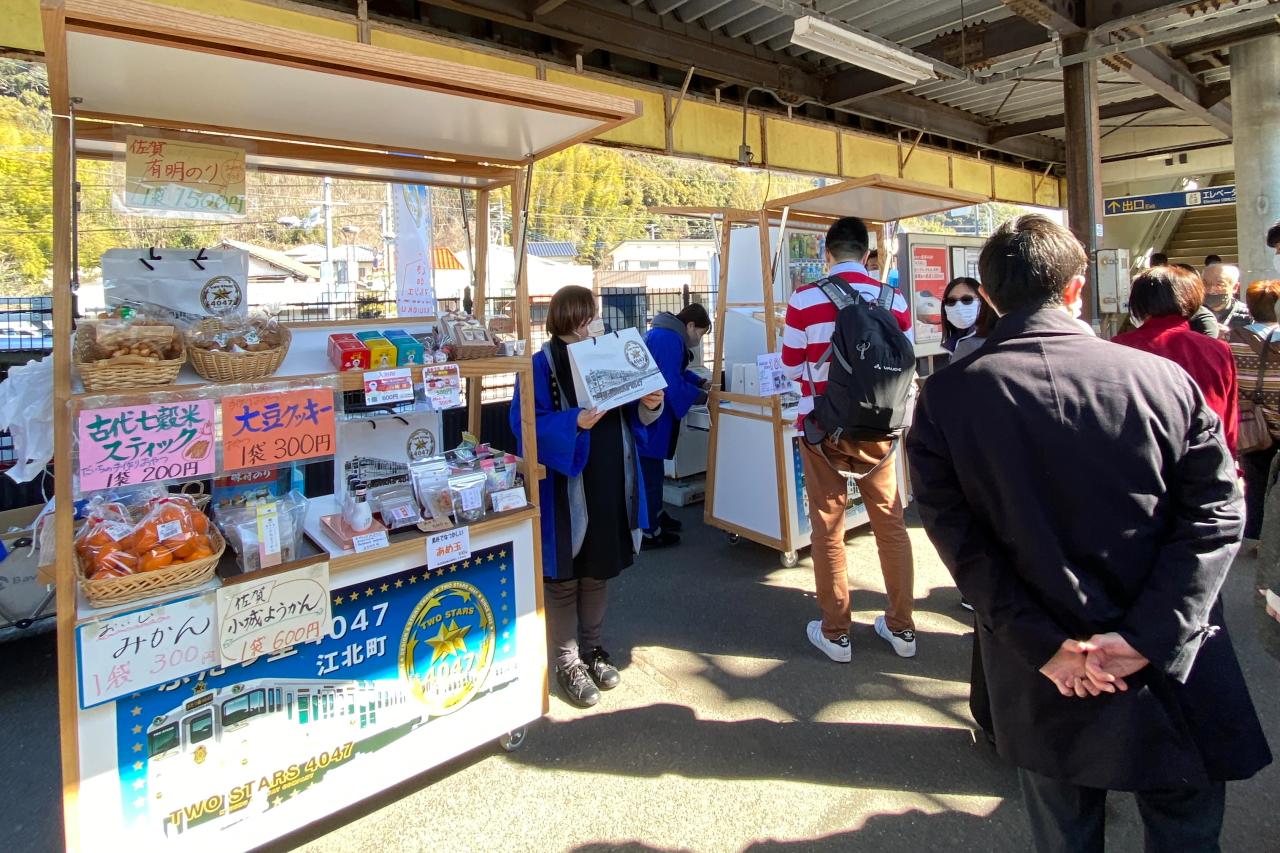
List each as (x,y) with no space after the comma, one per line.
(382,353)
(347,352)
(409,352)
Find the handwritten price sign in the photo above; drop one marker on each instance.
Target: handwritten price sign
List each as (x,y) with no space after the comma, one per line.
(271,429)
(265,616)
(131,652)
(449,546)
(191,178)
(145,444)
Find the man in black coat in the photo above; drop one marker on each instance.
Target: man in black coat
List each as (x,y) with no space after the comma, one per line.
(1082,496)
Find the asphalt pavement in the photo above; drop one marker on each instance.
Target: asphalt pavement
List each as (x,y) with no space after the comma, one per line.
(729,732)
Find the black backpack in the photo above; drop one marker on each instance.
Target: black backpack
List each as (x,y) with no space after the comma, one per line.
(871,381)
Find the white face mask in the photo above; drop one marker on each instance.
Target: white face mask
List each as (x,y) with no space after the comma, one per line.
(1275,262)
(1137,324)
(963,316)
(1075,309)
(595,328)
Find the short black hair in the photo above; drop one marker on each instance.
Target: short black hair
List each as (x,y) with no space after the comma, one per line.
(1273,235)
(696,314)
(847,239)
(1210,260)
(1166,291)
(1028,262)
(1185,268)
(1159,259)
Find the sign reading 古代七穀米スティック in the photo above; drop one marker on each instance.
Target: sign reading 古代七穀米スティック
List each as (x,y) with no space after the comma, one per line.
(1206,197)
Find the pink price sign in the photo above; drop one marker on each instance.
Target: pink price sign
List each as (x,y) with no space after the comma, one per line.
(145,444)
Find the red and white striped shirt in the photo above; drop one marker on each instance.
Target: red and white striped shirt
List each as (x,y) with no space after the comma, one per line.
(811,321)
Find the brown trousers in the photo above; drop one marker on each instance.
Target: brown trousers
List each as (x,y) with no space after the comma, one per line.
(826,488)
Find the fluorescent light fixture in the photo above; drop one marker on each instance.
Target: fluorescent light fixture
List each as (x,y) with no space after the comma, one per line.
(855,48)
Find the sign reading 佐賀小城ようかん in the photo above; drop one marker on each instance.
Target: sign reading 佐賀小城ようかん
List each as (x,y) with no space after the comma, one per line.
(174,176)
(300,730)
(144,444)
(262,430)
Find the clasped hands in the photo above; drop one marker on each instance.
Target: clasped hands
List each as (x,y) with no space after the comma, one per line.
(1100,664)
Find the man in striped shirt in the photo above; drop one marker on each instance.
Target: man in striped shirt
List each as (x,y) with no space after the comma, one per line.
(810,323)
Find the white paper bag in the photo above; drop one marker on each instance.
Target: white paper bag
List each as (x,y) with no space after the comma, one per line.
(186,285)
(613,369)
(379,448)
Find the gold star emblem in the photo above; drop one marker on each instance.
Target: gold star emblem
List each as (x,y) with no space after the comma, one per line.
(467,564)
(453,569)
(439,573)
(426,576)
(502,553)
(448,641)
(504,593)
(273,801)
(502,567)
(413,578)
(399,583)
(504,610)
(139,784)
(293,793)
(384,587)
(491,558)
(135,711)
(355,593)
(337,599)
(368,593)
(137,747)
(137,730)
(503,580)
(138,765)
(505,621)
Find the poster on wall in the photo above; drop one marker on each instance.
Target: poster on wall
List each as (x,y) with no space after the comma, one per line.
(964,260)
(928,281)
(287,737)
(415,285)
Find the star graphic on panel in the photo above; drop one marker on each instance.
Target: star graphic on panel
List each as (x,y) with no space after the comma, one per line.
(413,578)
(506,647)
(293,793)
(399,583)
(139,784)
(491,558)
(505,621)
(273,801)
(137,747)
(504,609)
(368,593)
(448,641)
(138,765)
(466,564)
(355,593)
(426,576)
(337,599)
(506,634)
(452,569)
(140,802)
(502,567)
(137,730)
(502,580)
(385,587)
(135,711)
(502,553)
(504,593)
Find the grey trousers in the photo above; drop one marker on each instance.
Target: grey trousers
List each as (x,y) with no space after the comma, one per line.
(1068,818)
(575,617)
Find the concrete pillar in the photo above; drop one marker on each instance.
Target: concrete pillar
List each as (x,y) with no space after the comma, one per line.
(1084,167)
(1255,125)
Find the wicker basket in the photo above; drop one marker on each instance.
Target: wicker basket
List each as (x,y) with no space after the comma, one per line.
(115,375)
(235,366)
(462,352)
(108,592)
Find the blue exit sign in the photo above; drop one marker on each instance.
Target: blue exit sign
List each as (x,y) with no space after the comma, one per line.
(1206,197)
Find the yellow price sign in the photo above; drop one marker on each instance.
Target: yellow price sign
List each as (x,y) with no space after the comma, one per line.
(191,178)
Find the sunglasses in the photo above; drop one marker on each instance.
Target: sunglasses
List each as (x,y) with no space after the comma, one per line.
(952,301)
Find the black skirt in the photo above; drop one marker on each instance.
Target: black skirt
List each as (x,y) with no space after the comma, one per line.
(607,548)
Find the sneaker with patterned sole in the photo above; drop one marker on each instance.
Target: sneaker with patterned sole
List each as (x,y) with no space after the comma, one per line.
(837,649)
(601,669)
(576,685)
(903,642)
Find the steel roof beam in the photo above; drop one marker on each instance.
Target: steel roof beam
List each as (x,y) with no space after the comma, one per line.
(922,114)
(1171,80)
(1047,123)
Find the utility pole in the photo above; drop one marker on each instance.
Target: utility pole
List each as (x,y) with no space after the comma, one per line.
(328,229)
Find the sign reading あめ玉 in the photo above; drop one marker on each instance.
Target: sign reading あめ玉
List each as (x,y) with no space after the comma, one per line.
(144,444)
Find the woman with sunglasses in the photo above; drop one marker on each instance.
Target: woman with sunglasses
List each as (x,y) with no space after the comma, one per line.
(967,318)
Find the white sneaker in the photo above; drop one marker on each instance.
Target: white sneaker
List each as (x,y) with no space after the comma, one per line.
(837,649)
(903,642)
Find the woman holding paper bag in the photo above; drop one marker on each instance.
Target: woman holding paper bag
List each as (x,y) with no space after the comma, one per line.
(591,461)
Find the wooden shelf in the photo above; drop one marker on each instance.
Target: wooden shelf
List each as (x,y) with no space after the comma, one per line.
(308,360)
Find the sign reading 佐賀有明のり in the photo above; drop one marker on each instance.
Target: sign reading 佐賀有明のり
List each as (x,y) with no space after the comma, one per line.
(271,429)
(928,281)
(143,444)
(1181,200)
(304,729)
(191,178)
(259,617)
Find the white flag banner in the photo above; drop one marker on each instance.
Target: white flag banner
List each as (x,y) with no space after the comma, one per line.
(415,284)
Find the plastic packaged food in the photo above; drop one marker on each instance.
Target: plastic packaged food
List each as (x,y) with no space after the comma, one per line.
(396,505)
(241,524)
(467,493)
(431,486)
(171,530)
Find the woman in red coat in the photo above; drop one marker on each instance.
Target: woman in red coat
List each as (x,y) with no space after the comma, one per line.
(1161,301)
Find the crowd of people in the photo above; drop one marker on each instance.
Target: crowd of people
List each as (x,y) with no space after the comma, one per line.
(1087,496)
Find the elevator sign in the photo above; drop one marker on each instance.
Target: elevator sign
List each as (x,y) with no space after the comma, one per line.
(1205,197)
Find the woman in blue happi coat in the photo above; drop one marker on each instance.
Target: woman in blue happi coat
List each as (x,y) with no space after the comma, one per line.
(592,498)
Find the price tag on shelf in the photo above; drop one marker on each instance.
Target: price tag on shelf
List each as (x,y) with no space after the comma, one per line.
(371,541)
(259,617)
(388,386)
(145,444)
(443,385)
(508,499)
(261,430)
(123,654)
(449,546)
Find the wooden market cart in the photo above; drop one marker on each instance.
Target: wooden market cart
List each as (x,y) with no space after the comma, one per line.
(302,104)
(755,483)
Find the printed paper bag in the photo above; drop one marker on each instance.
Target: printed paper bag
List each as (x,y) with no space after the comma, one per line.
(613,369)
(379,449)
(182,285)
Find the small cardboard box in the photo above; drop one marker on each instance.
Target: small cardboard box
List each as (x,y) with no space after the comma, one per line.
(408,351)
(382,353)
(347,352)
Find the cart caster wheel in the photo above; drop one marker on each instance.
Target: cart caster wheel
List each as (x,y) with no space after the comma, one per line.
(513,740)
(790,559)
(734,538)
